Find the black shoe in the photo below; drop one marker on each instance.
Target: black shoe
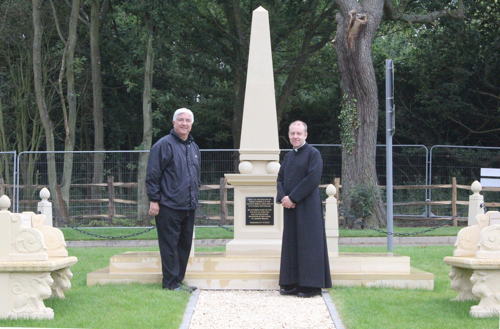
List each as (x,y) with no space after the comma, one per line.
(288,290)
(188,288)
(181,288)
(308,292)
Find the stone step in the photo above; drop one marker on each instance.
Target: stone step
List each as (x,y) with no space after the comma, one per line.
(218,271)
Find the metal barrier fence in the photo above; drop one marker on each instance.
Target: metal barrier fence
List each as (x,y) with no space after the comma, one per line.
(410,168)
(462,162)
(89,202)
(8,175)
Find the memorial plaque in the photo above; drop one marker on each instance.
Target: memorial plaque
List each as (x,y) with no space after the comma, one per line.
(259,211)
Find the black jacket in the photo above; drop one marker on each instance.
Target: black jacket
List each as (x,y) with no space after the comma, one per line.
(173,174)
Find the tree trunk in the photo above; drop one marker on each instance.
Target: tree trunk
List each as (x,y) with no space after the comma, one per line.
(356,27)
(233,14)
(4,161)
(95,59)
(70,123)
(238,102)
(147,132)
(48,126)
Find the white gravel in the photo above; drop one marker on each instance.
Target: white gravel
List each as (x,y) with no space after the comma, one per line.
(249,309)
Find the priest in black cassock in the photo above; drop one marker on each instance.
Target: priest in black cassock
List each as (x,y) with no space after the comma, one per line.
(304,256)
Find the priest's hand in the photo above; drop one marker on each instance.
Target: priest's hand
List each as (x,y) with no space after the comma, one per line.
(287,203)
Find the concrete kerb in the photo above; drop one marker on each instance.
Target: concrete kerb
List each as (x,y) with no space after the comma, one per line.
(337,321)
(188,313)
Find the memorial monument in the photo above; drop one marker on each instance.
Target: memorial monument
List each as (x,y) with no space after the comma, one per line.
(252,258)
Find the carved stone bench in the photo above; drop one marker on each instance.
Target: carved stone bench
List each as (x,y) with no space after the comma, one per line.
(34,264)
(475,265)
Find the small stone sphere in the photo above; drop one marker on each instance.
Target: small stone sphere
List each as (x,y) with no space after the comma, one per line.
(330,190)
(476,187)
(245,167)
(44,193)
(272,167)
(4,202)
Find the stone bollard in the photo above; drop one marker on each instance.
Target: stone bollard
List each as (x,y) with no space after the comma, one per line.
(45,206)
(332,221)
(476,203)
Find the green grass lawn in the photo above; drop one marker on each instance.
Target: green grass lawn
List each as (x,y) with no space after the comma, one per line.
(374,308)
(226,233)
(148,306)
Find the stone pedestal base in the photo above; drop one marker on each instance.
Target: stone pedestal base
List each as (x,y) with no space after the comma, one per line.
(221,271)
(477,279)
(254,247)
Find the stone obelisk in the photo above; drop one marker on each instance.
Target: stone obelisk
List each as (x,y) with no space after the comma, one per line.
(258,220)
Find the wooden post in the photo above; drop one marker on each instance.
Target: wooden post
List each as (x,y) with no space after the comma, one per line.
(223,201)
(62,207)
(336,183)
(2,187)
(111,198)
(454,201)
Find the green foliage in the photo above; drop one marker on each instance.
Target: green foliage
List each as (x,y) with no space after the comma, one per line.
(349,122)
(445,72)
(446,90)
(362,201)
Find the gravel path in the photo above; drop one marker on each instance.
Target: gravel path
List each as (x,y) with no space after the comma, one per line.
(249,309)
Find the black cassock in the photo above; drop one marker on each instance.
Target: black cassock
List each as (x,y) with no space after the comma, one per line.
(304,254)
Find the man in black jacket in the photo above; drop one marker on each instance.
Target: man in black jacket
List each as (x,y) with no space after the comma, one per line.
(172,182)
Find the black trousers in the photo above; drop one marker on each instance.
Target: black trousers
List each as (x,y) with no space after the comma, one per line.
(175,234)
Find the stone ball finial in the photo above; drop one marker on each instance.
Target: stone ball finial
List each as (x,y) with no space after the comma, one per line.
(331,190)
(4,203)
(272,167)
(44,194)
(476,187)
(245,167)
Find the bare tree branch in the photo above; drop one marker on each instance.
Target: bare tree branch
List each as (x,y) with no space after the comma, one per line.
(472,131)
(487,94)
(83,17)
(56,21)
(393,13)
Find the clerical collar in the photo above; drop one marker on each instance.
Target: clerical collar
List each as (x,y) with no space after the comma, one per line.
(300,147)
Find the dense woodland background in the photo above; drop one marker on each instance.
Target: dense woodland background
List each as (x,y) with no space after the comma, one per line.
(108,74)
(446,72)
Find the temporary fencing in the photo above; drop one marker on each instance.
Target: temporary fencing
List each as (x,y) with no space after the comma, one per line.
(111,194)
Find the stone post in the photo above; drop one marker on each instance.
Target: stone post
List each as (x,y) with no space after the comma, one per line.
(476,203)
(332,221)
(45,206)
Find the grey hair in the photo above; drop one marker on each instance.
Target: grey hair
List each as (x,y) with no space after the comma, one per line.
(181,111)
(298,122)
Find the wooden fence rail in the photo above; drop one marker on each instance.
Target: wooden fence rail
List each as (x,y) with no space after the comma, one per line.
(223,202)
